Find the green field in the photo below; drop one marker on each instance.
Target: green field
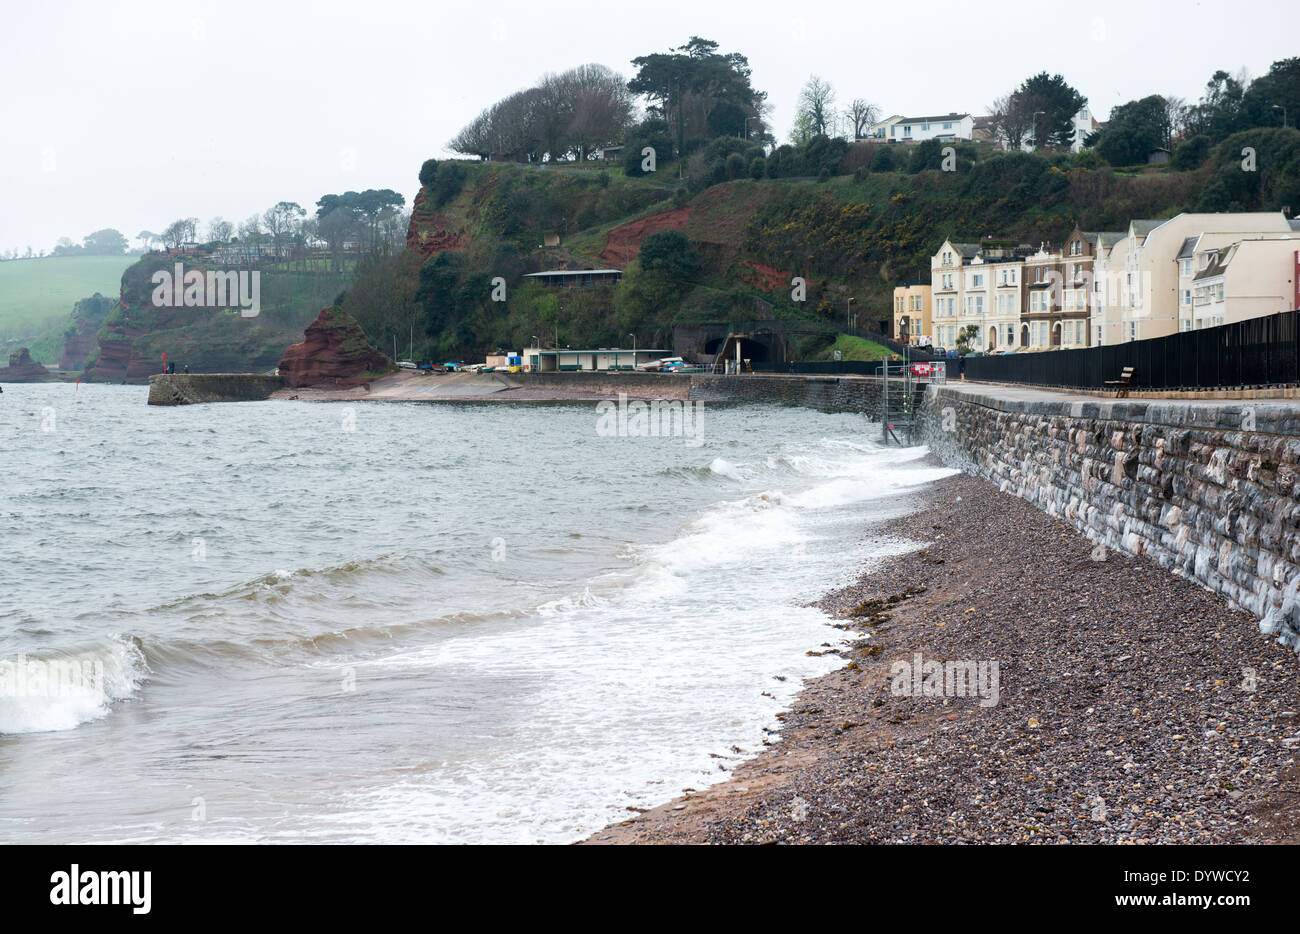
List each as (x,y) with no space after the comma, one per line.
(34,291)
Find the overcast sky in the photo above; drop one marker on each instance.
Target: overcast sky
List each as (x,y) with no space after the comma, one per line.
(129,115)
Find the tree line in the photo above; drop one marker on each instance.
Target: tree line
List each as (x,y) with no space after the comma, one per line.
(374,218)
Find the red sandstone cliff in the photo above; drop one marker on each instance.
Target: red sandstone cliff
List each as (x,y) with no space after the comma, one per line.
(333,352)
(622,244)
(430,232)
(23,369)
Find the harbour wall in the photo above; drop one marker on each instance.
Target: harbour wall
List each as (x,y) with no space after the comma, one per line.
(193,388)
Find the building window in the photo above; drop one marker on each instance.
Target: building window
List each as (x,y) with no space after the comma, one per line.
(1011,335)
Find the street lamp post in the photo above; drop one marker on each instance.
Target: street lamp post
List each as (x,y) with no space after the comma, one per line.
(1281,107)
(848,312)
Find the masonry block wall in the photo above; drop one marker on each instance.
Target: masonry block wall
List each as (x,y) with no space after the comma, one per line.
(1208,490)
(195,388)
(825,393)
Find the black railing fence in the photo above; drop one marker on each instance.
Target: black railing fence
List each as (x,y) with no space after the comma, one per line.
(1246,353)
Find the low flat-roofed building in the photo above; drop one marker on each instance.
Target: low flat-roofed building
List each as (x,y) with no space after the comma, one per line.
(539,360)
(576,278)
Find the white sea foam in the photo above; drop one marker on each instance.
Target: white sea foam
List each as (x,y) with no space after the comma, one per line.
(61,691)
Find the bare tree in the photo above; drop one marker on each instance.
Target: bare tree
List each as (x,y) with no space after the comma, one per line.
(1013,119)
(176,233)
(861,114)
(220,231)
(1176,118)
(250,230)
(601,107)
(282,221)
(815,110)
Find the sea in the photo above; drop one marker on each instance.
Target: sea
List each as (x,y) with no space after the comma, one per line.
(471,622)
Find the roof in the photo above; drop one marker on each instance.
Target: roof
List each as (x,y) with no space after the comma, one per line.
(566,350)
(968,250)
(1218,261)
(938,119)
(1144,227)
(1108,238)
(1189,248)
(571,272)
(1295,224)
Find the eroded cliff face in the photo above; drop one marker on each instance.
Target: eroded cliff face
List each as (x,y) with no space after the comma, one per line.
(207,339)
(430,231)
(134,317)
(333,352)
(623,243)
(88,317)
(23,369)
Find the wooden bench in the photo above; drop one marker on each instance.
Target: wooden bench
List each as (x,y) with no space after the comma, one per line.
(1121,385)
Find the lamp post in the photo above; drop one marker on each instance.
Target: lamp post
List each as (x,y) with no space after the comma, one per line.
(848,312)
(1281,107)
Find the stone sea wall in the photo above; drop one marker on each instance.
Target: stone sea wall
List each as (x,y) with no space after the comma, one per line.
(1208,490)
(193,388)
(825,393)
(635,385)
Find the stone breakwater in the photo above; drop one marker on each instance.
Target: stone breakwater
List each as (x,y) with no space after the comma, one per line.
(193,388)
(1208,490)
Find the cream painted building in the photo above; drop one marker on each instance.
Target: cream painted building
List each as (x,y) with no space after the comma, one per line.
(948,290)
(1144,271)
(1245,279)
(912,312)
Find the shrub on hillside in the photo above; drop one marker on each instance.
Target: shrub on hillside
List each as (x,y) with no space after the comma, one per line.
(1191,154)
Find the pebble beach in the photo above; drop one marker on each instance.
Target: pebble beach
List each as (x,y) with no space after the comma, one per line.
(1131,706)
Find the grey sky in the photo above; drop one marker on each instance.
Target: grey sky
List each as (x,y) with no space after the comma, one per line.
(130,115)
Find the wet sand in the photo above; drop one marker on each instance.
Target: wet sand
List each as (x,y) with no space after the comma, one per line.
(1133,706)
